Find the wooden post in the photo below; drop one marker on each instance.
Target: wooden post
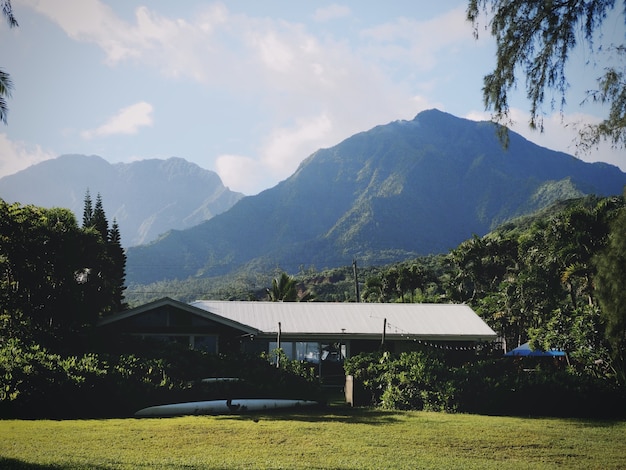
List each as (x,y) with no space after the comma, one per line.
(278,346)
(382,343)
(356,280)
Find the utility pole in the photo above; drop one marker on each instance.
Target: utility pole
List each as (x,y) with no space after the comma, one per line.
(278,346)
(382,342)
(356,280)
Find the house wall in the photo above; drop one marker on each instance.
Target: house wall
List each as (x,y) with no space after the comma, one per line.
(168,323)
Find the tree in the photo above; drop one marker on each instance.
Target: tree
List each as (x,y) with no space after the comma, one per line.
(609,284)
(373,289)
(118,268)
(99,220)
(87,210)
(284,289)
(537,38)
(40,257)
(106,261)
(56,278)
(6,85)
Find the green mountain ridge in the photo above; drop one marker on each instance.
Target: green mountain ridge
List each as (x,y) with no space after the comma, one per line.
(397,191)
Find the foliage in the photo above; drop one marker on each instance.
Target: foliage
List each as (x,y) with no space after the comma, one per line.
(610,280)
(537,38)
(284,289)
(416,380)
(35,382)
(536,282)
(108,284)
(55,277)
(6,84)
(431,380)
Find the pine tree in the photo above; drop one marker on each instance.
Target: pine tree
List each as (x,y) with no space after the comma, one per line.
(87,210)
(104,289)
(99,220)
(118,268)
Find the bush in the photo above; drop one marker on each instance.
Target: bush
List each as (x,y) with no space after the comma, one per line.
(35,383)
(410,381)
(504,386)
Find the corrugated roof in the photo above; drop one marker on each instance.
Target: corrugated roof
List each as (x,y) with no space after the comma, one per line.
(417,321)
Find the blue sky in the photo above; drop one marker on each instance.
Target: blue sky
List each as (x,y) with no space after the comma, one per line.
(250,88)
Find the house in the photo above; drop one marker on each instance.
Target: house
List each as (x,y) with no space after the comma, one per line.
(312,331)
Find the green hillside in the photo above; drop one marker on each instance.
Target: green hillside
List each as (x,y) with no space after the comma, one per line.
(395,192)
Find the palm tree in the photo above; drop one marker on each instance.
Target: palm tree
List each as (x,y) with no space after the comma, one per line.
(6,85)
(284,289)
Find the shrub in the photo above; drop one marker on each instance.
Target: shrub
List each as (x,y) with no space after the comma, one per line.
(410,381)
(36,383)
(504,386)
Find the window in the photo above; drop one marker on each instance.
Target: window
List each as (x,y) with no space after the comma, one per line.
(300,350)
(205,343)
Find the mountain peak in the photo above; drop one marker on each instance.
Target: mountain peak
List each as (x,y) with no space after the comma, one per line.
(146,197)
(397,191)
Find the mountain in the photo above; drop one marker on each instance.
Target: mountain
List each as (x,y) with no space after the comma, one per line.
(397,191)
(147,197)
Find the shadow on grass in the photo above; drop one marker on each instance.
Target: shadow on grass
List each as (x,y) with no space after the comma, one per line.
(14,464)
(325,414)
(10,464)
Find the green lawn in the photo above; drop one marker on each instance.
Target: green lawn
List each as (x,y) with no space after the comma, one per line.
(337,437)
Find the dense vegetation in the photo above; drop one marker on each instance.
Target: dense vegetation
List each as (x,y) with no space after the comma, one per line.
(554,279)
(56,280)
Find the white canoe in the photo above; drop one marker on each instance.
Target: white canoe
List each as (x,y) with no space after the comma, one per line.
(218,407)
(220,379)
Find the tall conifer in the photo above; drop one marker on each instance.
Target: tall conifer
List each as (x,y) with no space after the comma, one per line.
(87,210)
(118,272)
(99,221)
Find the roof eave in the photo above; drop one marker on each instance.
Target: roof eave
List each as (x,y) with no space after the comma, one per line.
(286,336)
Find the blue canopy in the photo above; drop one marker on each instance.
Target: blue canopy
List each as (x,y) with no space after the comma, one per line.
(524,350)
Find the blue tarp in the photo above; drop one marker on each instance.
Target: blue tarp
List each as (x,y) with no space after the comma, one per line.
(524,350)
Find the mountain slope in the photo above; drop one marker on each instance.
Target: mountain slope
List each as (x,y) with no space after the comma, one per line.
(147,197)
(399,190)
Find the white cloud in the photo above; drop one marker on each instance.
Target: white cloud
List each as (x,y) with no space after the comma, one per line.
(331,12)
(415,42)
(92,21)
(279,157)
(175,46)
(127,121)
(240,173)
(308,90)
(17,156)
(287,146)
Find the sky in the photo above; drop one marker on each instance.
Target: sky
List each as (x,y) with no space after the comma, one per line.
(250,88)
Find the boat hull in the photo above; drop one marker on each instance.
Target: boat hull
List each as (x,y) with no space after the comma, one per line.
(219,407)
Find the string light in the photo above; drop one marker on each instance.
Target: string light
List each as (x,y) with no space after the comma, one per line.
(437,345)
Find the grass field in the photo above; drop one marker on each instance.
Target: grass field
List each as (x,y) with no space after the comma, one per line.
(337,437)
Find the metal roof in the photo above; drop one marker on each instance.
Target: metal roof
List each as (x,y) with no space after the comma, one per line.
(451,322)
